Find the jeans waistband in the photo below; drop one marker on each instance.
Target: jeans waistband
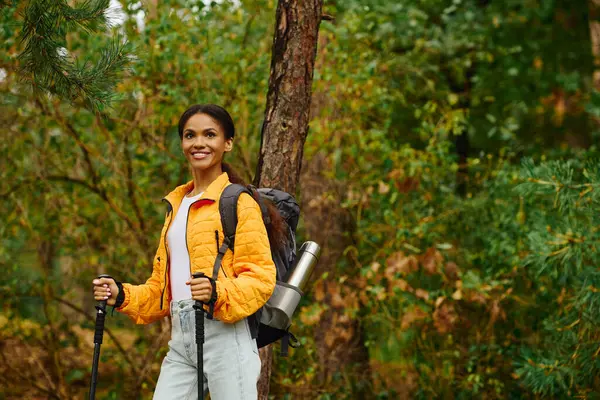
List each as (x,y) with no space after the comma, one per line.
(182,305)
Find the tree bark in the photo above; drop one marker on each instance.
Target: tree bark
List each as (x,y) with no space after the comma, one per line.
(287,111)
(288,100)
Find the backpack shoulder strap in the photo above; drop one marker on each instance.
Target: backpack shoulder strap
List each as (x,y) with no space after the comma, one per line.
(228,211)
(229,219)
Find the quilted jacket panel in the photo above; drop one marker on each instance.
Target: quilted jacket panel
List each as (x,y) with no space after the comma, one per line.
(247,277)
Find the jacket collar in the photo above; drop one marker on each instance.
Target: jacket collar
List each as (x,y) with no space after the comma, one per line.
(212,192)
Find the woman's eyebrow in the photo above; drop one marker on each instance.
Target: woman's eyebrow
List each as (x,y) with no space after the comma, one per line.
(209,129)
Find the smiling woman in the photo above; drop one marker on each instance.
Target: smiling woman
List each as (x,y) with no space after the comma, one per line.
(204,142)
(189,244)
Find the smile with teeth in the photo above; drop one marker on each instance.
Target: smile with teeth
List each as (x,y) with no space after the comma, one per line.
(200,155)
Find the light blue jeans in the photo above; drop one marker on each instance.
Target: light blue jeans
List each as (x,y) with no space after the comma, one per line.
(231,361)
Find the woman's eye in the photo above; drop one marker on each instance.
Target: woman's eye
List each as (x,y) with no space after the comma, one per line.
(211,134)
(189,136)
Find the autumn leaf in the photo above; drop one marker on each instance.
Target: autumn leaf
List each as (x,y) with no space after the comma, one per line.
(373,270)
(396,174)
(431,261)
(439,301)
(407,185)
(399,263)
(496,312)
(375,266)
(451,270)
(475,297)
(340,332)
(444,318)
(384,188)
(400,284)
(319,291)
(422,294)
(335,297)
(411,316)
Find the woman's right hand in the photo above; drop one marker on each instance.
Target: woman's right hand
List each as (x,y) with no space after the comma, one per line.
(106,289)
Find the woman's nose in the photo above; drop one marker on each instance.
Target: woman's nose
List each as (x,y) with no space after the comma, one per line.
(198,143)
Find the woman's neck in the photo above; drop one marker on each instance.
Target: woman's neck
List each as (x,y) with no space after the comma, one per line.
(203,178)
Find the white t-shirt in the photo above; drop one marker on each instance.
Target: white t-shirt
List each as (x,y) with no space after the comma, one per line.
(179,256)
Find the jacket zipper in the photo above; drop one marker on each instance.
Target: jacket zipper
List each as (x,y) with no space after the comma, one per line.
(167,246)
(186,235)
(162,296)
(186,240)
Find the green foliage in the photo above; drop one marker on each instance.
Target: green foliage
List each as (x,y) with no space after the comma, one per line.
(486,292)
(508,64)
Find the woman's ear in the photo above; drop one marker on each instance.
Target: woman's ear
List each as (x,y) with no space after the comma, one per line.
(228,145)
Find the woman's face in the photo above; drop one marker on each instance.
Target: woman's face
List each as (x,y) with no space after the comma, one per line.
(204,142)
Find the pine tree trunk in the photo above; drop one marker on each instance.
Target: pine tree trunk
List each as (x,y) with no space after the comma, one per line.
(288,101)
(287,111)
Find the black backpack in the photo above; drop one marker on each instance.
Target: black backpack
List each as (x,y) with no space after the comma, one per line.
(266,325)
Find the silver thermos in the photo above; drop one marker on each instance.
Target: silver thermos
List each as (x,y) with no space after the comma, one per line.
(299,274)
(282,304)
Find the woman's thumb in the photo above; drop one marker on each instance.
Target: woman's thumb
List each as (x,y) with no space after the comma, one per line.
(102,281)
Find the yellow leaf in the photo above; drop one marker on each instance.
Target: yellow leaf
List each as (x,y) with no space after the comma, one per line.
(383,188)
(439,301)
(422,294)
(452,99)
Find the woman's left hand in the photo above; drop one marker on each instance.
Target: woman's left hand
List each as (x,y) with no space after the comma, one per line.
(201,289)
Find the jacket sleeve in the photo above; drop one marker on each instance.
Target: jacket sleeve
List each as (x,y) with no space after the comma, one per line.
(142,302)
(255,272)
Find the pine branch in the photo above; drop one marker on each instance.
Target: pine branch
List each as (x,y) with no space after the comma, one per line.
(563,241)
(46,64)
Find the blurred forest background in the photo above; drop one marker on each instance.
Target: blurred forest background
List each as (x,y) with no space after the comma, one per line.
(450,173)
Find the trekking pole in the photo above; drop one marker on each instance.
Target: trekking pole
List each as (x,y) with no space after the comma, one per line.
(199,307)
(99,332)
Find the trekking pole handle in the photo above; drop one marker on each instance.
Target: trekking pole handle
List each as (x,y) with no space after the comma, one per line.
(100,315)
(196,275)
(98,334)
(199,307)
(199,316)
(210,303)
(102,303)
(199,275)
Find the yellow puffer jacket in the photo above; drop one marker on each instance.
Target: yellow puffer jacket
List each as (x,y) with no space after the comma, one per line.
(246,278)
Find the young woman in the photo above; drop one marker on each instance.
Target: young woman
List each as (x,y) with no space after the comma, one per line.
(189,243)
